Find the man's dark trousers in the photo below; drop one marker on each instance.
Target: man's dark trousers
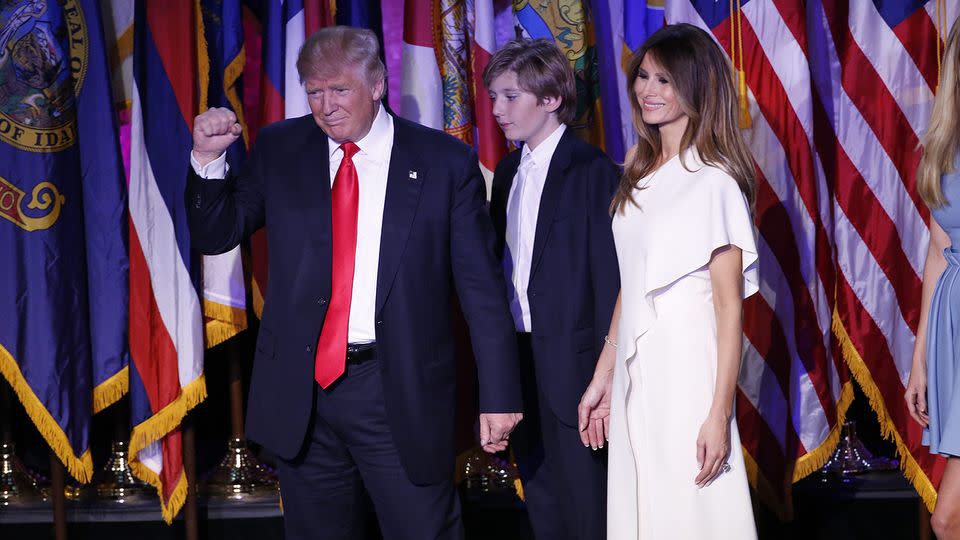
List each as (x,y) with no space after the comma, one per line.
(350,448)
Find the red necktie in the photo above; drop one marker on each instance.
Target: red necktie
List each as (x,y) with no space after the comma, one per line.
(332,347)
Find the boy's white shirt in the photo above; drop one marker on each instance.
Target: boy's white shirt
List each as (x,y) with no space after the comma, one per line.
(531,190)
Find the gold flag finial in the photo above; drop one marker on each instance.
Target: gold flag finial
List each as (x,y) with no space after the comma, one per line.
(736,60)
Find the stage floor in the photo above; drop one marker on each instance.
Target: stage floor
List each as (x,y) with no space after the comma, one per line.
(877,505)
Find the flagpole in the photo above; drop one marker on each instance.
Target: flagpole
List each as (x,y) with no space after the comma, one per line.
(58,481)
(190,470)
(236,394)
(6,413)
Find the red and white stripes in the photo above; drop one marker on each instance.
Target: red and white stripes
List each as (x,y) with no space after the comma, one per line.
(840,96)
(793,387)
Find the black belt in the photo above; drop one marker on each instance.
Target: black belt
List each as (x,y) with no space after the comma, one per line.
(525,345)
(358,353)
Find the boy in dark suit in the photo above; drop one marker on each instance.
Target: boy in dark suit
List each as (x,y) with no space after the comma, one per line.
(550,205)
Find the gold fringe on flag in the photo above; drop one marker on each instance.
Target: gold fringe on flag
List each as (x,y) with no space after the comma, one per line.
(815,459)
(911,469)
(169,417)
(222,322)
(804,466)
(203,61)
(168,509)
(79,467)
(155,428)
(111,390)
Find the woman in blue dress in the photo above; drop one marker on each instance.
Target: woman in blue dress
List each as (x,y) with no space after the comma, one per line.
(933,391)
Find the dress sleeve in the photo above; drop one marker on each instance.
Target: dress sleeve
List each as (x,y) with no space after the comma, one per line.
(691,216)
(713,214)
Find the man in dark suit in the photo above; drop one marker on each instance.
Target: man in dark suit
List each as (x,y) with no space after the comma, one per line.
(550,205)
(372,223)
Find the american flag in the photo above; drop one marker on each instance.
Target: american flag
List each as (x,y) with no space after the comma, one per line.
(839,96)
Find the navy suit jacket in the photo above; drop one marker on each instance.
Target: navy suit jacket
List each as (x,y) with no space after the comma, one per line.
(574,278)
(437,238)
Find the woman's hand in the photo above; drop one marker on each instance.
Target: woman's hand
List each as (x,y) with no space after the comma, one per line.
(916,394)
(713,449)
(594,410)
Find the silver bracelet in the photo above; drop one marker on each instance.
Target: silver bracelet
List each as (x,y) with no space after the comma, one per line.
(610,342)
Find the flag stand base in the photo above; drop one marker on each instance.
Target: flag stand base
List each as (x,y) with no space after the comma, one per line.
(239,475)
(852,457)
(18,486)
(116,482)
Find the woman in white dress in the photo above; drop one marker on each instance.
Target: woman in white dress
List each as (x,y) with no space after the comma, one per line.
(663,390)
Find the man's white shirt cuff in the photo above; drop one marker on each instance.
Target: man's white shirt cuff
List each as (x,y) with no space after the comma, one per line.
(215,170)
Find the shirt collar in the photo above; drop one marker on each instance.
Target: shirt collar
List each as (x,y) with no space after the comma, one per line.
(542,154)
(375,143)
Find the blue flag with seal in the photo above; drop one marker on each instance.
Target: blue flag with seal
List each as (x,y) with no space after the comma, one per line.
(63,344)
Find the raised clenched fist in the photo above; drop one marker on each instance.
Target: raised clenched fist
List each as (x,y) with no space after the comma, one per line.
(214,131)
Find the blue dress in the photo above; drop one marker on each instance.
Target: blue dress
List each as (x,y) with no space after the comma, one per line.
(943,333)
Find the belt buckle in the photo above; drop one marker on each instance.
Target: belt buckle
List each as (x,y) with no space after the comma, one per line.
(359,352)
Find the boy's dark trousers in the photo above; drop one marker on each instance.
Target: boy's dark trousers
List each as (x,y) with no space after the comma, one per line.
(564,482)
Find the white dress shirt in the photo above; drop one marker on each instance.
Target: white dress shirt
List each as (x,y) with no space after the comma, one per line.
(534,165)
(372,163)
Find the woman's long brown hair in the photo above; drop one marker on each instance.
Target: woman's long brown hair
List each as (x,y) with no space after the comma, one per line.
(702,79)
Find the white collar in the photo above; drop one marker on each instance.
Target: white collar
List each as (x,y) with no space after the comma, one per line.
(375,143)
(542,154)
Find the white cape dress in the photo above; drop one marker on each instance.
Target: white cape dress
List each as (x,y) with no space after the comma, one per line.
(664,377)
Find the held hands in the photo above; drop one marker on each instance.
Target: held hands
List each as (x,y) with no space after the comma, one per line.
(214,131)
(594,411)
(713,449)
(916,394)
(495,429)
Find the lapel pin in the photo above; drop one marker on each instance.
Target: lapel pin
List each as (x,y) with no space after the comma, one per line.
(413,175)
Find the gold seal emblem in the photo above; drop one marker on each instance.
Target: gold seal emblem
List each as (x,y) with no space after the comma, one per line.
(43,62)
(45,197)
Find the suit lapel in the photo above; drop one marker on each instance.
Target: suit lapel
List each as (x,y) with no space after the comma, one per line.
(552,189)
(500,197)
(404,182)
(313,177)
